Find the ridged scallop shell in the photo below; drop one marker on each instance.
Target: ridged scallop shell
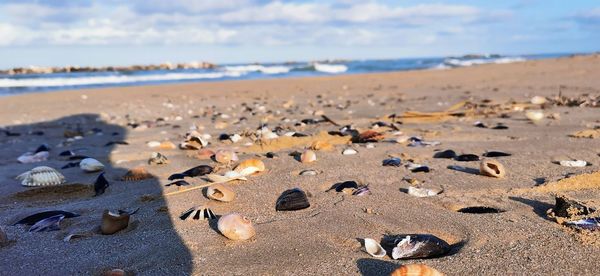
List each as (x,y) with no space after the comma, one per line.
(197,213)
(492,168)
(226,156)
(220,192)
(308,156)
(91,165)
(113,223)
(416,270)
(157,159)
(41,176)
(236,227)
(374,248)
(250,166)
(136,174)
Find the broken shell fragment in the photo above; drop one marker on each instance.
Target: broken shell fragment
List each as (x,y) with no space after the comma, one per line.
(113,223)
(228,176)
(291,200)
(250,166)
(467,157)
(136,174)
(309,172)
(193,172)
(321,145)
(47,224)
(197,213)
(158,159)
(573,163)
(423,192)
(492,168)
(538,100)
(349,151)
(29,157)
(220,192)
(374,248)
(100,185)
(416,270)
(204,154)
(534,115)
(91,165)
(225,156)
(236,227)
(308,156)
(415,246)
(34,218)
(41,176)
(394,162)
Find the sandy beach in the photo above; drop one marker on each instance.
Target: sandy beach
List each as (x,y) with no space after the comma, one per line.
(325,238)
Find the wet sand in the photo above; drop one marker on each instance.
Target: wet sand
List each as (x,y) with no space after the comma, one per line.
(326,237)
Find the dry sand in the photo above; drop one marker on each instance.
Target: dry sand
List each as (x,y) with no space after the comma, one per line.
(325,238)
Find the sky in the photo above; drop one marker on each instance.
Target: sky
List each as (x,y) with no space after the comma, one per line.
(124,32)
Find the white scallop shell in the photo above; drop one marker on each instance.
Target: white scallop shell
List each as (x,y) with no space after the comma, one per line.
(91,165)
(374,248)
(41,176)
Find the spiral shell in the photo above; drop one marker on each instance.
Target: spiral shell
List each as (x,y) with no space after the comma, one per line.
(220,192)
(492,168)
(250,166)
(308,156)
(41,176)
(91,165)
(136,174)
(236,227)
(416,270)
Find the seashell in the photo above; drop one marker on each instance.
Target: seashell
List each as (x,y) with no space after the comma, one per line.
(47,224)
(225,156)
(113,223)
(395,162)
(480,124)
(90,165)
(167,145)
(415,141)
(573,163)
(73,236)
(493,168)
(467,157)
(361,191)
(567,208)
(416,270)
(321,145)
(236,227)
(496,154)
(534,115)
(308,156)
(100,185)
(250,166)
(368,136)
(190,145)
(228,176)
(29,157)
(592,224)
(204,154)
(423,192)
(538,100)
(370,146)
(349,151)
(415,246)
(153,144)
(447,154)
(66,153)
(178,183)
(193,172)
(198,213)
(374,248)
(136,174)
(291,200)
(235,138)
(414,167)
(480,210)
(220,192)
(346,187)
(309,172)
(158,159)
(500,126)
(41,176)
(33,219)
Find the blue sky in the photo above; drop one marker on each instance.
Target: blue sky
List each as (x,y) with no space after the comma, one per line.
(115,32)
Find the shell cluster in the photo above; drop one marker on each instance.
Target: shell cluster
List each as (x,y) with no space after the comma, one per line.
(41,176)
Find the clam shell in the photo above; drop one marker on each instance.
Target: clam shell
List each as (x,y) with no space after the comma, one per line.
(113,223)
(34,218)
(423,192)
(236,227)
(493,168)
(90,165)
(374,248)
(309,172)
(349,151)
(136,174)
(250,166)
(416,270)
(291,200)
(29,157)
(166,145)
(220,192)
(534,115)
(467,157)
(157,159)
(573,163)
(225,156)
(538,100)
(197,213)
(41,176)
(368,136)
(415,246)
(308,156)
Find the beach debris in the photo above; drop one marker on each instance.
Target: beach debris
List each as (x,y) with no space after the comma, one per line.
(415,141)
(495,154)
(90,165)
(34,218)
(309,172)
(447,154)
(225,156)
(136,174)
(198,213)
(193,141)
(41,176)
(157,158)
(534,115)
(308,156)
(374,248)
(392,162)
(467,157)
(291,200)
(586,133)
(100,185)
(29,157)
(220,192)
(416,270)
(250,166)
(414,167)
(178,183)
(226,177)
(236,227)
(321,145)
(47,224)
(423,192)
(538,100)
(368,136)
(349,151)
(193,172)
(573,163)
(415,246)
(492,168)
(115,222)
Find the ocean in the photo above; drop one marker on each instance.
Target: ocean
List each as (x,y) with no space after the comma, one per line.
(16,84)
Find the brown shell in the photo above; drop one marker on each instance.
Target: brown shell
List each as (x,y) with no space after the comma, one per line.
(321,145)
(308,156)
(369,136)
(492,168)
(113,224)
(416,270)
(136,174)
(167,145)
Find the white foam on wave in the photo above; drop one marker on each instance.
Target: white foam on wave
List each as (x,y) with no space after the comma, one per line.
(258,68)
(96,80)
(330,68)
(470,62)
